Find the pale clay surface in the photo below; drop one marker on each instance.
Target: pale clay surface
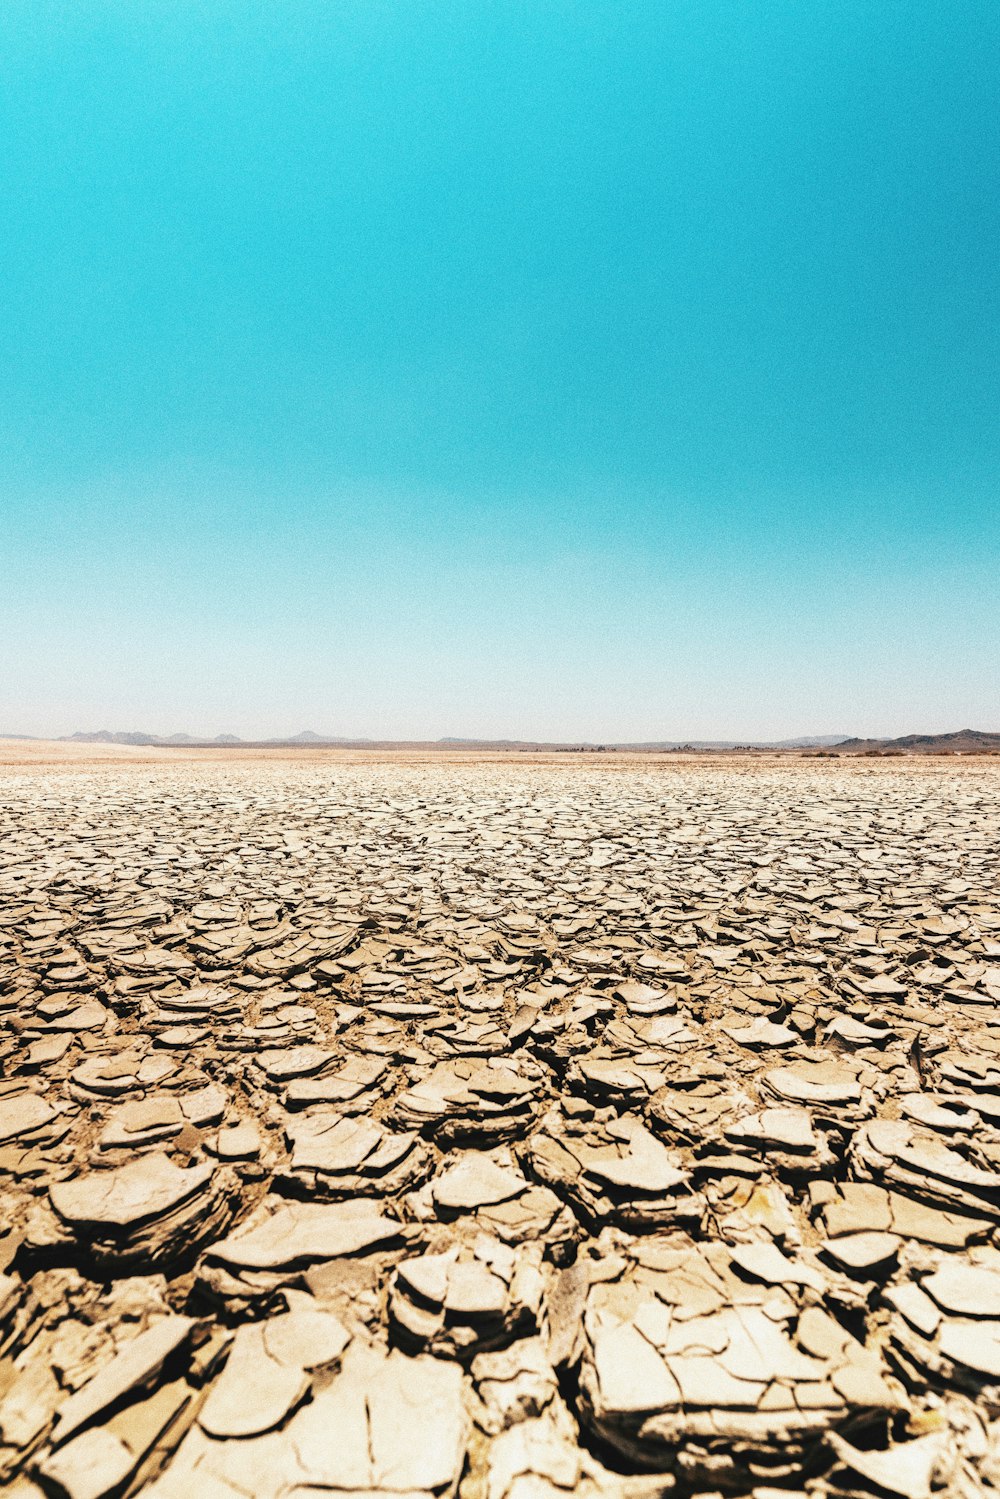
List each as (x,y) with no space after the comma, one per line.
(509,1129)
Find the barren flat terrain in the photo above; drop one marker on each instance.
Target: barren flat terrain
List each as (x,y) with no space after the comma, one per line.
(522,1124)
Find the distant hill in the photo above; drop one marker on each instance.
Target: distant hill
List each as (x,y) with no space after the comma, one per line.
(310,737)
(105,736)
(814,741)
(962,742)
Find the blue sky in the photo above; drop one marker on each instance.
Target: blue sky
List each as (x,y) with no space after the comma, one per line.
(571,370)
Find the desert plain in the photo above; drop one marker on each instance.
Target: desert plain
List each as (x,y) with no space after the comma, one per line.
(507,1126)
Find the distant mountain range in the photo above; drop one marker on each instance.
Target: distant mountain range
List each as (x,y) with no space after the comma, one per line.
(963,741)
(106,736)
(307,736)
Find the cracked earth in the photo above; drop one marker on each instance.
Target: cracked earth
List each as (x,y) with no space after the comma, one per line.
(504,1130)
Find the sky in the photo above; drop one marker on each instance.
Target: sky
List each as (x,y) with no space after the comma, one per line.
(600,370)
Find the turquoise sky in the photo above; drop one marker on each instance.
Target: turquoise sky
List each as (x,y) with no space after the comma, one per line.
(607,370)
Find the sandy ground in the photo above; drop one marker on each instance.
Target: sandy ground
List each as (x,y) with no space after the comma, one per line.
(60,752)
(17,753)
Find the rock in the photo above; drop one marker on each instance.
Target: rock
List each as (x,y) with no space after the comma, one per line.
(474,1103)
(475,1181)
(617,1172)
(94,1464)
(283,1234)
(690,1369)
(23,1114)
(149,1212)
(136,1363)
(400,1426)
(513,1385)
(255,1392)
(337,1156)
(907,1469)
(463,1300)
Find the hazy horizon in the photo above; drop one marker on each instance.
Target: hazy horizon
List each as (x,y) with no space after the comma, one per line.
(558,373)
(332,735)
(590,740)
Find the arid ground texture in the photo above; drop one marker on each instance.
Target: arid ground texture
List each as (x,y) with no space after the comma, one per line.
(513,1127)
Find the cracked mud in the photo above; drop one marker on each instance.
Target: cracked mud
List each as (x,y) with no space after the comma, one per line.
(511,1130)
